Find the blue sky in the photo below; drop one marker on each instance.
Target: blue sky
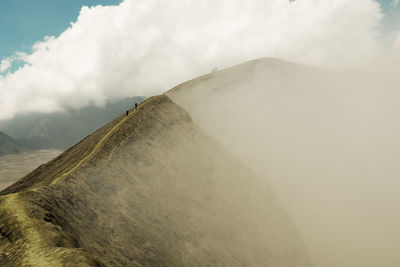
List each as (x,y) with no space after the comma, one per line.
(392,15)
(23,22)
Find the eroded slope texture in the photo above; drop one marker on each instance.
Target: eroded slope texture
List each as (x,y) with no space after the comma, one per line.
(157,192)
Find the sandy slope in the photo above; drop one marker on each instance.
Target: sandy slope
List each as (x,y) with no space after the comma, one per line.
(149,189)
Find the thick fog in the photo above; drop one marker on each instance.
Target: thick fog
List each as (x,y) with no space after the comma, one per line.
(327,142)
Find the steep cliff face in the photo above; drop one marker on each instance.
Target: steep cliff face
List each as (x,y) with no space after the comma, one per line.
(148,189)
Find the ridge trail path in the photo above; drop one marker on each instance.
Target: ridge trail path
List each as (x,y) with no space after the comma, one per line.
(98,145)
(13,203)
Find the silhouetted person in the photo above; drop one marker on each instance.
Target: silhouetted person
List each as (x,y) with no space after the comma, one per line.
(127,112)
(135,105)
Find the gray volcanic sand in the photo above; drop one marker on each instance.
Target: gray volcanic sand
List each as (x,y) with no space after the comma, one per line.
(15,166)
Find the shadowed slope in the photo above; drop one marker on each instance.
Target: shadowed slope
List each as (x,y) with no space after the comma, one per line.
(156,191)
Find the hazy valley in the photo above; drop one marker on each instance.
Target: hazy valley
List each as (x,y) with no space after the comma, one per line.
(15,166)
(60,130)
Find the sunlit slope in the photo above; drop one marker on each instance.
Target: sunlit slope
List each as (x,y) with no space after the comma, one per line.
(326,141)
(149,189)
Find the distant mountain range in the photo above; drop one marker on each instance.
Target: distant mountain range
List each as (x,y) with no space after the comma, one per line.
(58,130)
(9,145)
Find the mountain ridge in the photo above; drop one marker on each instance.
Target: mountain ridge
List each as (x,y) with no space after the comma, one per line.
(159,191)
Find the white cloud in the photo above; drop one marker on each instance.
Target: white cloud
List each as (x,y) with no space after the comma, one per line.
(5,64)
(395,3)
(145,47)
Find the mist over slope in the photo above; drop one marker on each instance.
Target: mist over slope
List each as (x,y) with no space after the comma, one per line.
(327,142)
(151,189)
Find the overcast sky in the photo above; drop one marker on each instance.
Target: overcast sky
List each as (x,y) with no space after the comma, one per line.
(144,47)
